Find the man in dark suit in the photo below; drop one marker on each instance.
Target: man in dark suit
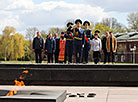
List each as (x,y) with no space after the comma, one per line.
(50,47)
(57,47)
(104,39)
(38,47)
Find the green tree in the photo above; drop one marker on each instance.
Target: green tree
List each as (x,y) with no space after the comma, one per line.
(27,56)
(103,28)
(56,30)
(12,44)
(1,47)
(18,46)
(44,34)
(7,41)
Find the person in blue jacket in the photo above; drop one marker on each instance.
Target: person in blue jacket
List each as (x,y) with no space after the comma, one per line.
(69,42)
(50,46)
(78,40)
(87,41)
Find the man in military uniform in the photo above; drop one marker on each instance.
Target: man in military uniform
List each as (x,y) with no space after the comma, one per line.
(78,40)
(69,41)
(87,41)
(38,47)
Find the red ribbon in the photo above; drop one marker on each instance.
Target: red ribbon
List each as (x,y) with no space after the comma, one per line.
(71,36)
(86,39)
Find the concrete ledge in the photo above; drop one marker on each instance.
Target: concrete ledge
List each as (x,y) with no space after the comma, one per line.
(79,75)
(35,96)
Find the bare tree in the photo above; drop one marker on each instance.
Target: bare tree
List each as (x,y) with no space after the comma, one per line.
(111,22)
(30,33)
(133,20)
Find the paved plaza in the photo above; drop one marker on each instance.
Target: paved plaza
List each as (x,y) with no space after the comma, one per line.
(103,94)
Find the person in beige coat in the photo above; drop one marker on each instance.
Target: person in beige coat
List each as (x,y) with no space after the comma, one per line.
(111,45)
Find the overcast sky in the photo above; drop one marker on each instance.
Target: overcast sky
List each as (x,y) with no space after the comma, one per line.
(45,14)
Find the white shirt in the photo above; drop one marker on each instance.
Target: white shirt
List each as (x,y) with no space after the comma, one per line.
(96,44)
(81,30)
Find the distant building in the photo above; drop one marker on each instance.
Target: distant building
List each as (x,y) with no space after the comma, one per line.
(127,41)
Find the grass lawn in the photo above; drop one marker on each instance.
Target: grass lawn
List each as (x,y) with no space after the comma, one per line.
(20,62)
(44,62)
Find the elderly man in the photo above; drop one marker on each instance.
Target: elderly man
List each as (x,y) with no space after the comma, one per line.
(38,47)
(111,45)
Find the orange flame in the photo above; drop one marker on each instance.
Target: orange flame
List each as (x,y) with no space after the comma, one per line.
(18,83)
(26,71)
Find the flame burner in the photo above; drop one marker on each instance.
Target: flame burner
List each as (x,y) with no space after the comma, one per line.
(33,96)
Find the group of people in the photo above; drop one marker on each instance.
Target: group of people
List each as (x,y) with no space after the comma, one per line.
(78,42)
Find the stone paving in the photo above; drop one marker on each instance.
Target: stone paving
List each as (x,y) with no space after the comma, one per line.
(103,94)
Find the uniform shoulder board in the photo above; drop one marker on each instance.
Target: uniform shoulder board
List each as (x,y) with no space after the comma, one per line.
(74,31)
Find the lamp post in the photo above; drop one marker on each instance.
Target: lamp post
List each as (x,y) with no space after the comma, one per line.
(134,50)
